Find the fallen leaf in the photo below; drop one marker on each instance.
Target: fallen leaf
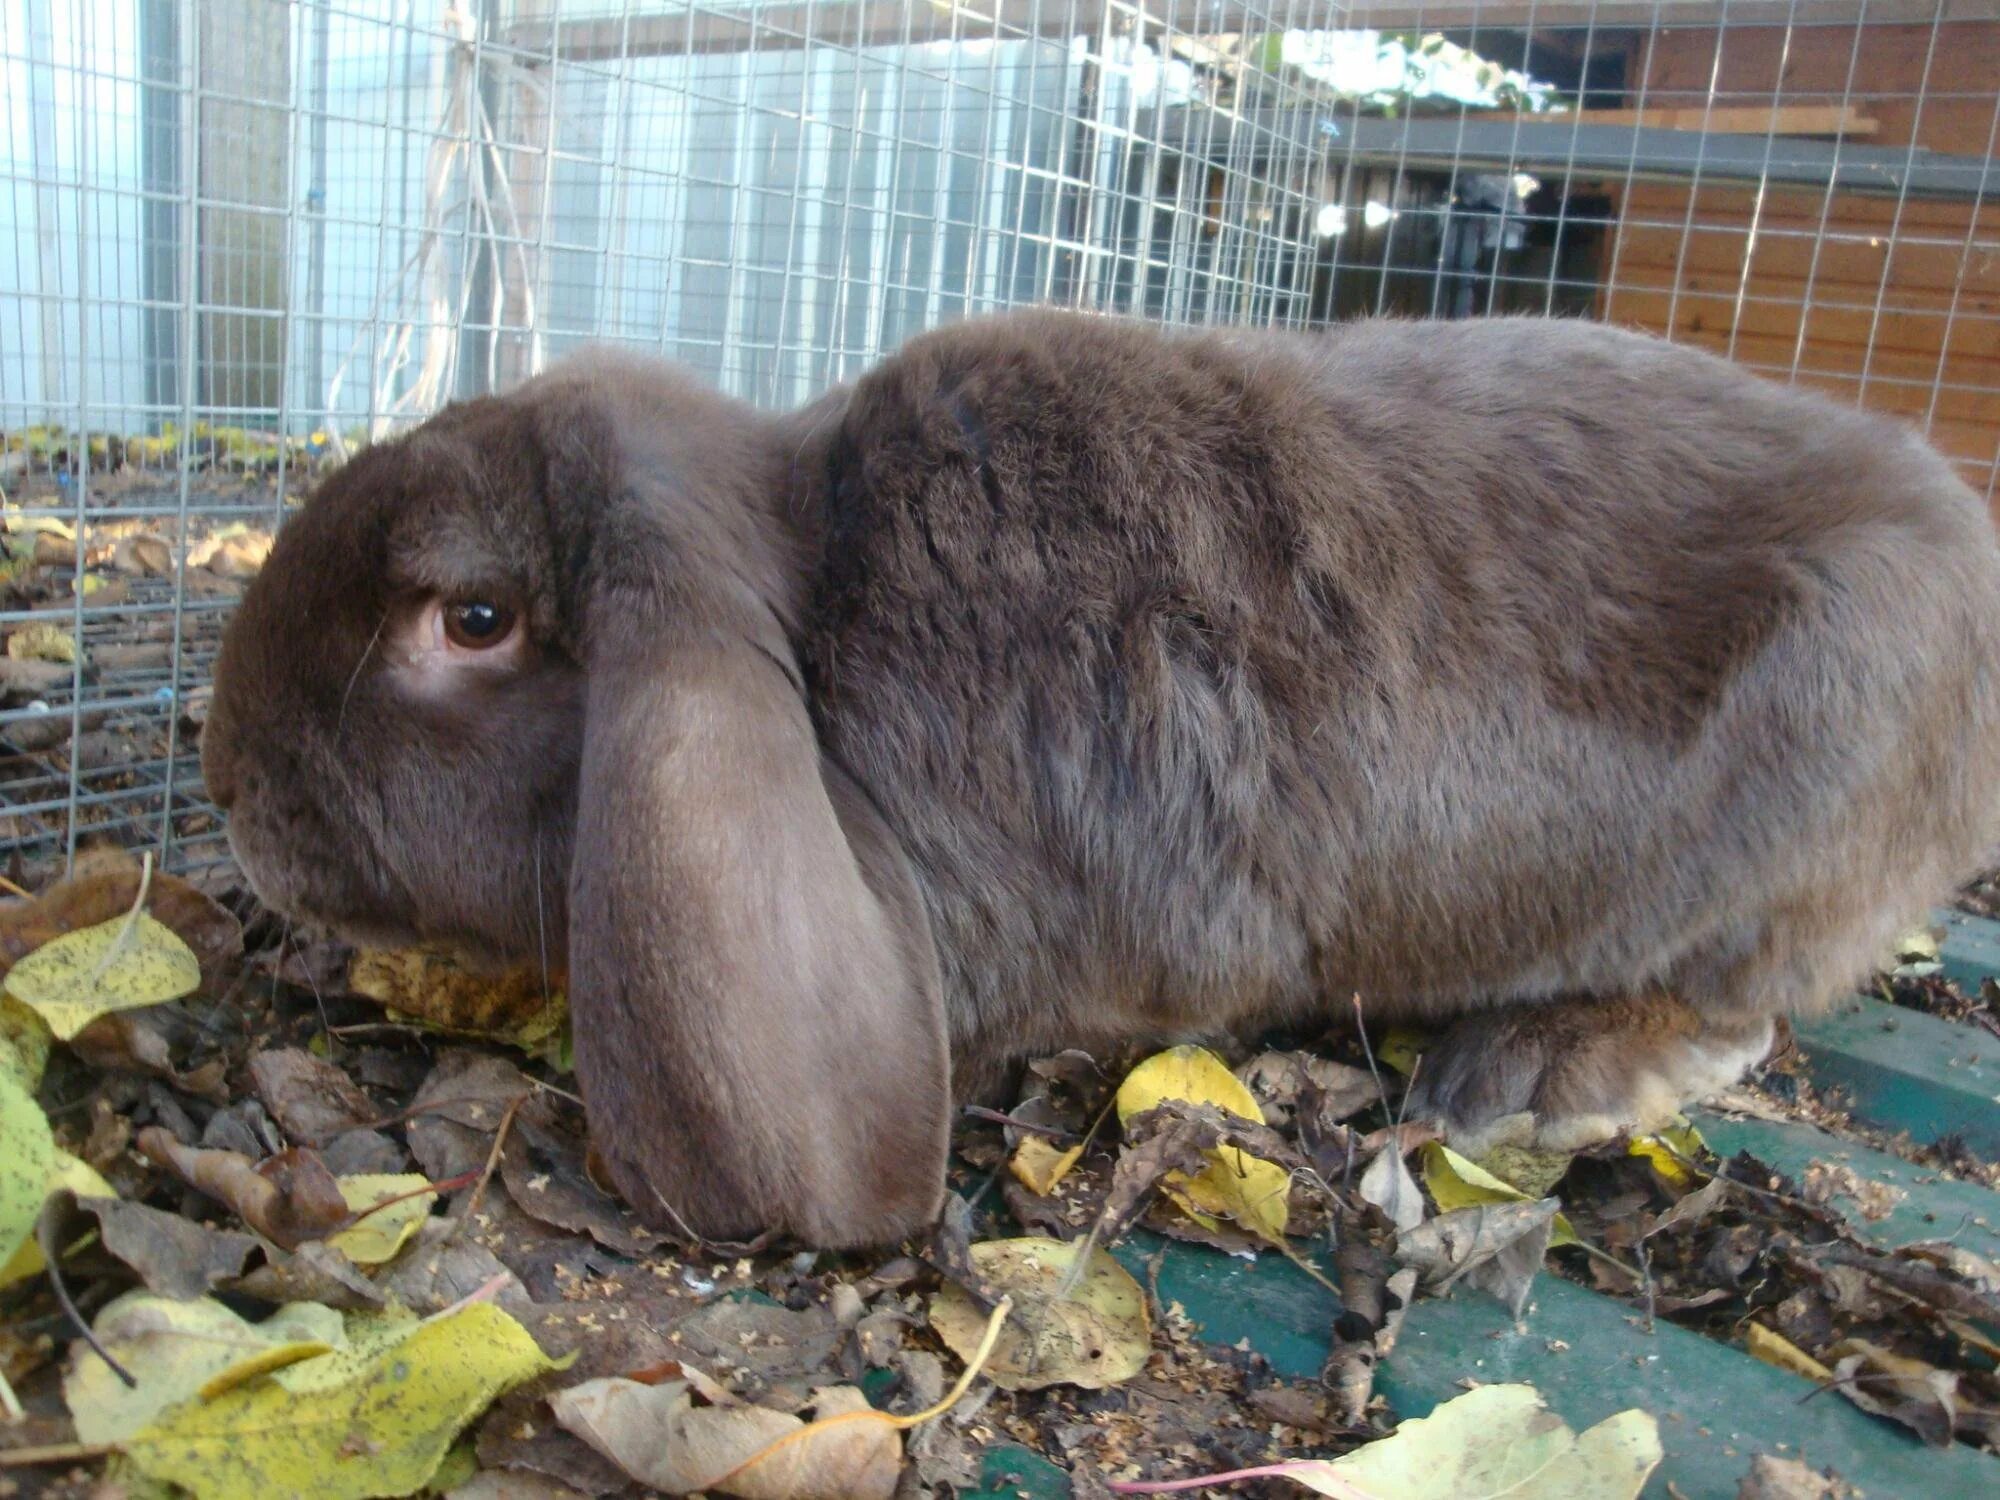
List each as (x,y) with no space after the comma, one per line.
(1887,1384)
(1531,1171)
(1671,1150)
(1776,1349)
(376,1237)
(1039,1166)
(1388,1185)
(121,964)
(27,1154)
(176,1349)
(1774,1478)
(25,1041)
(66,1173)
(383,1430)
(1502,1440)
(104,889)
(1283,1081)
(542,1166)
(311,1098)
(1454,1182)
(1505,1240)
(661,1438)
(1691,1208)
(315,1272)
(42,642)
(1095,1335)
(1236,1185)
(172,1255)
(1401,1046)
(523,1006)
(288,1198)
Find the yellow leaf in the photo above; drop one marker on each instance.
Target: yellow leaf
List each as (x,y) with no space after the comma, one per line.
(1776,1349)
(123,964)
(1455,1181)
(42,642)
(377,1238)
(1667,1150)
(522,1007)
(1495,1440)
(27,1151)
(24,1043)
(178,1351)
(81,1178)
(1238,1186)
(1040,1167)
(369,1334)
(1532,1171)
(385,1431)
(1400,1048)
(1096,1335)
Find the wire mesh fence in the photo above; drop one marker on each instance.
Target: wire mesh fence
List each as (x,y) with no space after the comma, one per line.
(241,238)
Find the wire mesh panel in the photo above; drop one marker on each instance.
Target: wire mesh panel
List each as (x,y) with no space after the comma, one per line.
(241,238)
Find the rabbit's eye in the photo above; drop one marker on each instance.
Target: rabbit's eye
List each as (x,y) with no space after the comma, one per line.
(477,625)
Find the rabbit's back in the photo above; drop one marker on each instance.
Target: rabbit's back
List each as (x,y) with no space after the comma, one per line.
(1219,673)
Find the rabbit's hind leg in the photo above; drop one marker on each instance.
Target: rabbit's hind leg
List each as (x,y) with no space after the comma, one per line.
(1583,1070)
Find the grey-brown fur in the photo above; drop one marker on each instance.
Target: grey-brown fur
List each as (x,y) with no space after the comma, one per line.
(1070,682)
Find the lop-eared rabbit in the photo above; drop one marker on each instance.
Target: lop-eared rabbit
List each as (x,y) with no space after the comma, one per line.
(1071,682)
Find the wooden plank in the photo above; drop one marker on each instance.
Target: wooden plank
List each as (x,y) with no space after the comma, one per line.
(1819,293)
(1843,259)
(1739,205)
(1907,1071)
(1967,1213)
(1971,949)
(1725,119)
(1910,332)
(1587,1354)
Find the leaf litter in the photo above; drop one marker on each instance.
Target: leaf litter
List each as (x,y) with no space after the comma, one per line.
(396,1212)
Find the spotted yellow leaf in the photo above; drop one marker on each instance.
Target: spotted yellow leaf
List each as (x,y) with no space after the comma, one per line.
(384,1429)
(123,964)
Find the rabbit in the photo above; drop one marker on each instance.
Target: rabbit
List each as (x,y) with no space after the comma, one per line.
(1066,681)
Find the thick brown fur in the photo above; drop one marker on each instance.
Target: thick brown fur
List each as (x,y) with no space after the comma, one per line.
(1068,682)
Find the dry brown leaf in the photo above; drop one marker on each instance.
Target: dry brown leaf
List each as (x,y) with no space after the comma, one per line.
(311,1098)
(661,1438)
(1506,1241)
(172,1255)
(289,1198)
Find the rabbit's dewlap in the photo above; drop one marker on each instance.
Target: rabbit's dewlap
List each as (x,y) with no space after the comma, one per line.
(1067,682)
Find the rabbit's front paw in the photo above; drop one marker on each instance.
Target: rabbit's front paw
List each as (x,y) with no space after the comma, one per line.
(1585,1070)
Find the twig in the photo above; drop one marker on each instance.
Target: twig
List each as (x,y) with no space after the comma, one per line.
(1000,1117)
(55,1453)
(14,890)
(492,1162)
(52,1255)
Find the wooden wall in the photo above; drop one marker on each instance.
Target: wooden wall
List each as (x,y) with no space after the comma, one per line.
(1864,300)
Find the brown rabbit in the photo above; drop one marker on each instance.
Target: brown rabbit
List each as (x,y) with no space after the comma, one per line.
(1069,682)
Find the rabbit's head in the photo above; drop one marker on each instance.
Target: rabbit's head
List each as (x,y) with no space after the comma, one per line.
(522,682)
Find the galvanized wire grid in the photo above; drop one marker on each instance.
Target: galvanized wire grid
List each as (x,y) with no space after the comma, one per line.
(238,238)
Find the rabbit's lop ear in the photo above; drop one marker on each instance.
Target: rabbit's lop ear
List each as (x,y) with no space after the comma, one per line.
(755,994)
